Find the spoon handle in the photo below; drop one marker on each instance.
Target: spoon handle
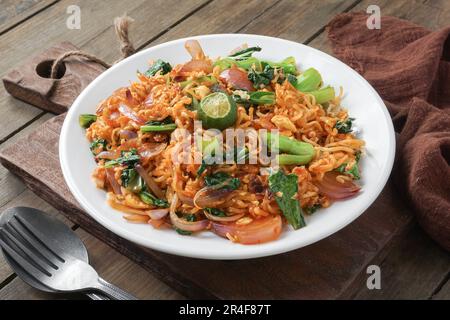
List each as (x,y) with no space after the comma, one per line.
(112,291)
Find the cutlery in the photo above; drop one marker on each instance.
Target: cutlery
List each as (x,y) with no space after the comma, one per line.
(37,247)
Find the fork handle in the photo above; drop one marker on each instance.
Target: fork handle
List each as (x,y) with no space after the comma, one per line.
(112,291)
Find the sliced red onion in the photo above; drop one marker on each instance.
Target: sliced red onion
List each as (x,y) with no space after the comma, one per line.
(183,224)
(223,219)
(112,181)
(109,155)
(130,114)
(211,197)
(158,214)
(196,65)
(259,231)
(336,190)
(148,150)
(237,79)
(149,181)
(194,49)
(148,102)
(127,134)
(185,199)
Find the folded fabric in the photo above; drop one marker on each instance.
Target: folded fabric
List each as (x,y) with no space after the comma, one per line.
(409,66)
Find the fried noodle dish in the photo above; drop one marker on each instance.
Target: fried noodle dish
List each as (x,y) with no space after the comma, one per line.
(133,137)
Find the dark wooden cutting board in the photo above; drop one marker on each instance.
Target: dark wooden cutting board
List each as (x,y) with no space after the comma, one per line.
(332,268)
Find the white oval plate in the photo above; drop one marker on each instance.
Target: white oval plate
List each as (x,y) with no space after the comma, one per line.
(362,101)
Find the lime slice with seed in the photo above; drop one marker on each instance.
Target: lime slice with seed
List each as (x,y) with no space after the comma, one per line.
(217,111)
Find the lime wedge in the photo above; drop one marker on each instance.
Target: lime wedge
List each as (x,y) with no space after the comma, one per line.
(217,111)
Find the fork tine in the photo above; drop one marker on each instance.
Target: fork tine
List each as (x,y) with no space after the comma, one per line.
(44,240)
(39,262)
(34,243)
(28,267)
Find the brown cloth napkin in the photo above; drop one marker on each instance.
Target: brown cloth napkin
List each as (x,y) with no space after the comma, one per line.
(409,66)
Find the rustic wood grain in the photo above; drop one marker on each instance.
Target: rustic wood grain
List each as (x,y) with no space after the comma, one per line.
(14,12)
(412,270)
(31,82)
(49,27)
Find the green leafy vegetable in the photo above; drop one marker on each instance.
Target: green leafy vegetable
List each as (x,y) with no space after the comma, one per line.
(97,146)
(131,180)
(261,79)
(215,212)
(344,126)
(288,65)
(285,188)
(183,232)
(127,158)
(154,126)
(149,198)
(353,171)
(257,97)
(222,180)
(242,59)
(190,218)
(244,53)
(159,64)
(312,209)
(86,120)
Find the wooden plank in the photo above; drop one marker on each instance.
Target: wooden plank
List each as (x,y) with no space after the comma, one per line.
(412,270)
(13,12)
(444,292)
(270,19)
(96,21)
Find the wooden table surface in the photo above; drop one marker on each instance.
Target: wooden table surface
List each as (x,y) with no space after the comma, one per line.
(415,268)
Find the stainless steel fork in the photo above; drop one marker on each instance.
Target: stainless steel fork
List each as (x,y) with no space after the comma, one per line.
(41,257)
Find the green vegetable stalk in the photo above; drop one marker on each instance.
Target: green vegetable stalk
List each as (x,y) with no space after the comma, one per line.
(288,65)
(292,159)
(86,120)
(160,127)
(323,95)
(291,147)
(308,81)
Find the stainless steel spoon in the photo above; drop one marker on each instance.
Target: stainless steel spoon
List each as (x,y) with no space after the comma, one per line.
(66,238)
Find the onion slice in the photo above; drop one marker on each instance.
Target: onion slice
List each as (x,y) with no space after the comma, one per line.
(259,231)
(194,49)
(127,134)
(335,190)
(237,79)
(183,224)
(223,219)
(149,150)
(185,199)
(130,114)
(149,181)
(112,181)
(108,155)
(211,197)
(158,214)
